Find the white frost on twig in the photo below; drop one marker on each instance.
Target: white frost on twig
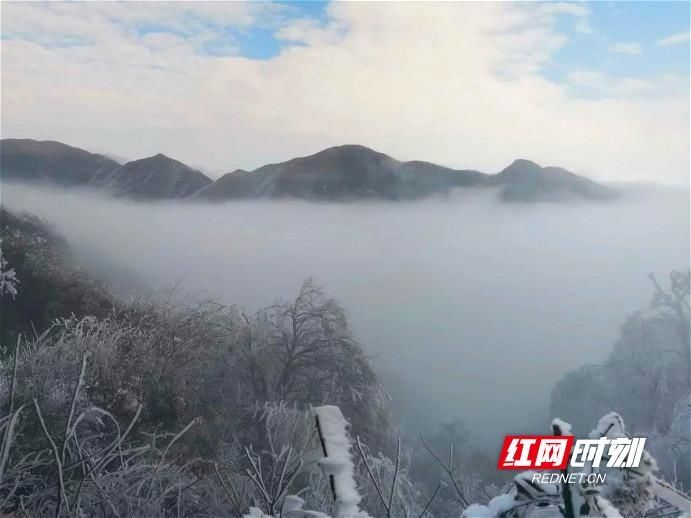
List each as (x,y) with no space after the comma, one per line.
(338,462)
(561,426)
(8,277)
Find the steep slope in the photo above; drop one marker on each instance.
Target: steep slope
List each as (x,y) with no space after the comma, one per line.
(526,181)
(53,162)
(52,281)
(343,172)
(237,185)
(425,179)
(357,172)
(157,176)
(349,172)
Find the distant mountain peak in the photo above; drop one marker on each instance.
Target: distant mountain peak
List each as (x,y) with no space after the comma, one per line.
(527,181)
(165,158)
(52,162)
(349,148)
(159,176)
(158,158)
(521,163)
(346,151)
(345,172)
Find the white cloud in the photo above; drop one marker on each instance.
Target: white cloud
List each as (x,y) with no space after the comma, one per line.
(572,8)
(630,48)
(456,83)
(676,38)
(588,78)
(631,86)
(299,31)
(583,26)
(616,86)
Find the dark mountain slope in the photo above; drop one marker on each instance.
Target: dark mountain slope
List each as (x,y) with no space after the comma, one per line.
(343,172)
(526,181)
(157,177)
(52,282)
(349,172)
(357,172)
(53,162)
(424,178)
(237,185)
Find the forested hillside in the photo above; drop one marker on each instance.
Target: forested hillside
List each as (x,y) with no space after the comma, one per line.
(646,377)
(87,371)
(152,408)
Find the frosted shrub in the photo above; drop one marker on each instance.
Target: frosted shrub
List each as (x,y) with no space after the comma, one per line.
(8,277)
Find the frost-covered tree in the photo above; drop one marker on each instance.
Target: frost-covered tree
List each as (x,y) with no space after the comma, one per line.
(447,466)
(52,283)
(673,304)
(303,351)
(8,277)
(645,378)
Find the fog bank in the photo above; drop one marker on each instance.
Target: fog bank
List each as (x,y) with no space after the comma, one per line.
(470,308)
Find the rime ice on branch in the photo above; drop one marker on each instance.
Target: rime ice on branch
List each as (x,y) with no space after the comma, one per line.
(337,461)
(8,277)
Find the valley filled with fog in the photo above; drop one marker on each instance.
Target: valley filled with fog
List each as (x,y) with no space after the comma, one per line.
(470,308)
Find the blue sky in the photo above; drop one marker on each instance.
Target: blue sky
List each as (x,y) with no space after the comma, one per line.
(600,88)
(590,45)
(258,41)
(641,22)
(261,43)
(644,23)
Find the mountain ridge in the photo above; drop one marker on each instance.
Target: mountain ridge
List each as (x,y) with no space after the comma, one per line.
(338,173)
(158,176)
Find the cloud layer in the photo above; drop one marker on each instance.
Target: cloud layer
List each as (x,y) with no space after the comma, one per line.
(469,307)
(462,84)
